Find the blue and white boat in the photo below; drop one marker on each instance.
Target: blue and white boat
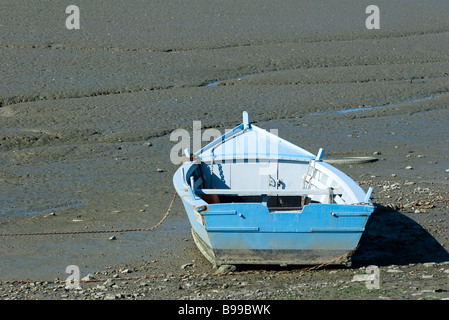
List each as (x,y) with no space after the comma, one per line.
(254,198)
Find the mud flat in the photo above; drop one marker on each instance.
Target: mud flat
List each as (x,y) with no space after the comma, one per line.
(86,117)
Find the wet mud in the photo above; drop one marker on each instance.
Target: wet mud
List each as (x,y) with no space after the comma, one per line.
(86,117)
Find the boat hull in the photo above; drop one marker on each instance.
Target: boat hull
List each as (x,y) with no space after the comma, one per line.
(247,233)
(271,256)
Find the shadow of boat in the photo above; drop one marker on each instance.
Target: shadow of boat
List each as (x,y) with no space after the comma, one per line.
(391,237)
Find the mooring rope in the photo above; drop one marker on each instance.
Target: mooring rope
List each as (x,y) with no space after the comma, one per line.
(95,231)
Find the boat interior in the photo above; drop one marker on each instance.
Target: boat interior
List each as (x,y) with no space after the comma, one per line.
(284,185)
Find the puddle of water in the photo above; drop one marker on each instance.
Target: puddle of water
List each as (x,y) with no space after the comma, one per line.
(344,111)
(236,78)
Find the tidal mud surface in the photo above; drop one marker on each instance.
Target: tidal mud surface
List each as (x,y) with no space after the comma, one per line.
(86,117)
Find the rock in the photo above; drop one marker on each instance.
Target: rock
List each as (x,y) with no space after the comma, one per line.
(160,170)
(226,268)
(108,283)
(408,167)
(186,265)
(394,271)
(429,264)
(88,277)
(112,238)
(407,206)
(109,297)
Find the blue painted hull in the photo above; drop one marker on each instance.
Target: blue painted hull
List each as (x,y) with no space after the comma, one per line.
(247,233)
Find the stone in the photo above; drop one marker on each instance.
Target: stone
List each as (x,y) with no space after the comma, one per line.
(429,264)
(124,271)
(88,277)
(226,268)
(394,271)
(108,283)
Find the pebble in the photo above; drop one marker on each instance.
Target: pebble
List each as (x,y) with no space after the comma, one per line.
(408,167)
(108,283)
(88,277)
(429,264)
(112,238)
(124,271)
(394,271)
(226,268)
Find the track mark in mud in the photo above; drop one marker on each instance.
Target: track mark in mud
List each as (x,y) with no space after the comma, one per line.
(230,81)
(76,95)
(333,38)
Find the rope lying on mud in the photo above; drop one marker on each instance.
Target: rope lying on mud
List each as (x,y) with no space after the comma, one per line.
(95,231)
(351,160)
(348,160)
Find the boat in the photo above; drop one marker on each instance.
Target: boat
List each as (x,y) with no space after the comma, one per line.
(252,197)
